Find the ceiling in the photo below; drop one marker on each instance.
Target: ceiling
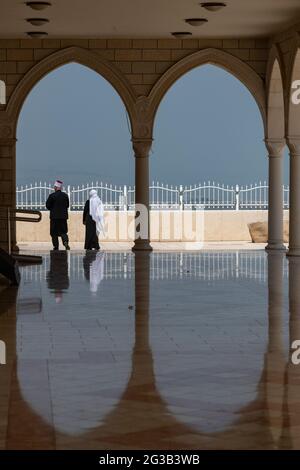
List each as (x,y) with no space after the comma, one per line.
(149,18)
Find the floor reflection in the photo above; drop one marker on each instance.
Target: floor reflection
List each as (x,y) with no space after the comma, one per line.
(58,274)
(164,362)
(93,265)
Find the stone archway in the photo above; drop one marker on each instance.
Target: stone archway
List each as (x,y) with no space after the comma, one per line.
(224,60)
(9,117)
(63,57)
(228,62)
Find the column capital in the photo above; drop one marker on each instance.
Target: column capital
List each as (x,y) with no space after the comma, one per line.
(293,143)
(275,147)
(142,147)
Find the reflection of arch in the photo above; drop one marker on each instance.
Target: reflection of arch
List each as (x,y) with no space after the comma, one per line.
(258,424)
(228,62)
(275,98)
(71,54)
(293,370)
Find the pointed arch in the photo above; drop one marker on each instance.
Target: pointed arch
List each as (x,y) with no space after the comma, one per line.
(65,56)
(228,62)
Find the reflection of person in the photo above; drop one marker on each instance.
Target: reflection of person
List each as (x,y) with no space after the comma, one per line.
(58,275)
(87,260)
(58,204)
(93,219)
(93,265)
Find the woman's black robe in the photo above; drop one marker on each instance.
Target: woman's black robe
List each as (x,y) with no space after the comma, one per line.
(91,237)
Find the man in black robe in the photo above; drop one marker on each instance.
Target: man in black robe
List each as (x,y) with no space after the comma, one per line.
(58,204)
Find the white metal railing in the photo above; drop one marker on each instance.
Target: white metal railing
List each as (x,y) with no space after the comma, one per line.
(33,196)
(113,197)
(210,196)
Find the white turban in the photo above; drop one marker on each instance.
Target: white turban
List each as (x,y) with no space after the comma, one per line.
(97,211)
(58,184)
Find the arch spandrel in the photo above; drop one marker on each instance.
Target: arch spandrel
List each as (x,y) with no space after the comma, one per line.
(276,96)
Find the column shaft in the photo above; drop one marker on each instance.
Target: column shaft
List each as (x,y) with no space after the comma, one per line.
(275,212)
(142,211)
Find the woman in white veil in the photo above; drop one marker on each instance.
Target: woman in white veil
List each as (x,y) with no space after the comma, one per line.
(93,219)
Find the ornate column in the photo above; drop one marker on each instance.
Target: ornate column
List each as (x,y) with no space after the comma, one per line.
(8,180)
(294,244)
(141,149)
(275,214)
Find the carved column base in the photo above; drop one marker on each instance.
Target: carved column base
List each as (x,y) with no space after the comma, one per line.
(275,246)
(142,245)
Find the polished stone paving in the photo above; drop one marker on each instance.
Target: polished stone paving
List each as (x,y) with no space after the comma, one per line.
(183,350)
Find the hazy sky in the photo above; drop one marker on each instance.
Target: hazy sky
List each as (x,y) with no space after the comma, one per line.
(73,126)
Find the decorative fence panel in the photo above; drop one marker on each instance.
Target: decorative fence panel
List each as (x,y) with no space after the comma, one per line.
(254,196)
(113,197)
(209,196)
(33,196)
(164,196)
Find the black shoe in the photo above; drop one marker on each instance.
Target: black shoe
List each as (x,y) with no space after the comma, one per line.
(55,248)
(66,245)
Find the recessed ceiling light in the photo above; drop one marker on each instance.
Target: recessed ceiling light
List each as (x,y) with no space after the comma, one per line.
(37,21)
(37,34)
(213,6)
(181,34)
(196,21)
(38,5)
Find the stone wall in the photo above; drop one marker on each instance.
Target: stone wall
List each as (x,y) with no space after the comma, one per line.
(165,226)
(142,61)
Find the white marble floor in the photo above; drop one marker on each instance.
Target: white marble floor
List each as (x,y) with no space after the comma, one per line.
(173,350)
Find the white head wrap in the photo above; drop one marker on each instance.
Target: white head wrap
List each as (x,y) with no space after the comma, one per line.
(58,184)
(97,211)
